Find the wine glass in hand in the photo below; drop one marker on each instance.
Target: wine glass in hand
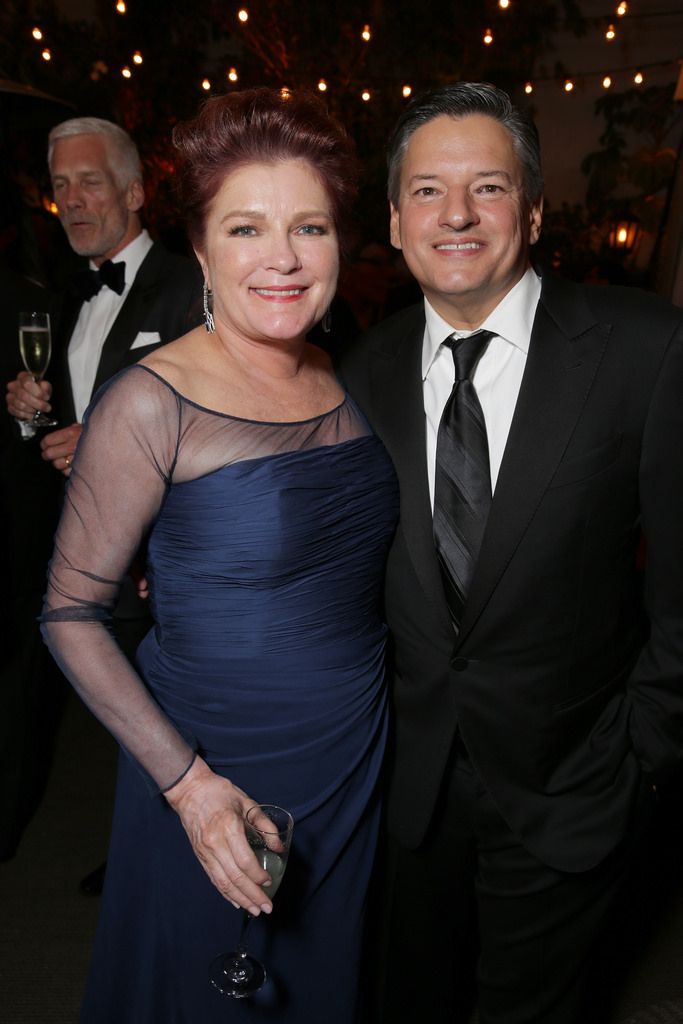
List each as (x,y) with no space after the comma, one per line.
(269,833)
(35,345)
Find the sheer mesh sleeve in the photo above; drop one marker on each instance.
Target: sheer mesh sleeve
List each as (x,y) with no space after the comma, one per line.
(120,476)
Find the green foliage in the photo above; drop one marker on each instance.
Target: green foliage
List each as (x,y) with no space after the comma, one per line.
(631,172)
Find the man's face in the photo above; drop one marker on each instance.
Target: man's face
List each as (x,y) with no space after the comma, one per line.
(462,220)
(99,216)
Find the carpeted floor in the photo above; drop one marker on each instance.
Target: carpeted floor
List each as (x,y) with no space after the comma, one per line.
(46,926)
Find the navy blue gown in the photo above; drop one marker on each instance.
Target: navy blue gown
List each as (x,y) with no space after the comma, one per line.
(266,555)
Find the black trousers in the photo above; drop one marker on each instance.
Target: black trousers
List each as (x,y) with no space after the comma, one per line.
(472,915)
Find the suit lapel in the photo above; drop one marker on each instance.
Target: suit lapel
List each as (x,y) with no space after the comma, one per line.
(566,348)
(68,317)
(130,319)
(396,374)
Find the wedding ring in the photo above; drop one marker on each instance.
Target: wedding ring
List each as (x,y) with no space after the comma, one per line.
(67,460)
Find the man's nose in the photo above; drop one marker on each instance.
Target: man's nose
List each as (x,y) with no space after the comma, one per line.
(459,209)
(71,196)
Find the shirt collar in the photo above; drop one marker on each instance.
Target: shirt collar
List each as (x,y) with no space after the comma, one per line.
(512,320)
(133,255)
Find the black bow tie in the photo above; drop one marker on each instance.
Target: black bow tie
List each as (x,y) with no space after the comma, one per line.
(113,275)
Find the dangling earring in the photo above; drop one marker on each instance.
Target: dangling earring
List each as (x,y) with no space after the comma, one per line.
(209,321)
(326,322)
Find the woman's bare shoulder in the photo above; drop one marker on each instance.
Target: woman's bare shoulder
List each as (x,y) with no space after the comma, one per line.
(178,359)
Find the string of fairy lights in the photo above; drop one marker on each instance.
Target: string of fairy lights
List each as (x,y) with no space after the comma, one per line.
(607,24)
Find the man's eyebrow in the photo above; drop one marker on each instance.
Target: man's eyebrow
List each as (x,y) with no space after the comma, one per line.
(477,174)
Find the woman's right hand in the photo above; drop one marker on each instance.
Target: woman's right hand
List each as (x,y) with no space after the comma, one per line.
(212,812)
(25,396)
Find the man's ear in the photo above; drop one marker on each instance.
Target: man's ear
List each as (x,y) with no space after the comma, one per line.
(394,226)
(535,221)
(135,196)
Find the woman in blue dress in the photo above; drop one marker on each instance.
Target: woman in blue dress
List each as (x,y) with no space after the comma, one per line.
(266,506)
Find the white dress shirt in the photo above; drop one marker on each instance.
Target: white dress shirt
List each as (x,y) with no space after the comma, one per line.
(94,322)
(497,377)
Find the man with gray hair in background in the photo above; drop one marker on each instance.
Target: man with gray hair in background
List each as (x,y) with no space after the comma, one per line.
(131,296)
(135,295)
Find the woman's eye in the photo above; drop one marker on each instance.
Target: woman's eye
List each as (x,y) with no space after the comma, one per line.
(312,229)
(242,231)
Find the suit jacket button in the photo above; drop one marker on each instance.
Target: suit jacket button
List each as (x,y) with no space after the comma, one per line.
(459,664)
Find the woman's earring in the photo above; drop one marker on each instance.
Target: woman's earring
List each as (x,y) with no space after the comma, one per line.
(209,321)
(326,322)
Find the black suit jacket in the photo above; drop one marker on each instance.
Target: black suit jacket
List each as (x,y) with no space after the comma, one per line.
(165,299)
(563,701)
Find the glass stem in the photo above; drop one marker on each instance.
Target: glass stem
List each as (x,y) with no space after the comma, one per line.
(241,948)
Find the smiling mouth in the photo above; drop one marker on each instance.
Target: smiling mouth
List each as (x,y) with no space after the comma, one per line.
(458,246)
(279,293)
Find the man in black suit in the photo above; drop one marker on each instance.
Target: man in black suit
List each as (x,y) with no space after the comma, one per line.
(144,297)
(533,708)
(134,296)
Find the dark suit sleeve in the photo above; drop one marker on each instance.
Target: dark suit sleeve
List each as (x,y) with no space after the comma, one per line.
(656,683)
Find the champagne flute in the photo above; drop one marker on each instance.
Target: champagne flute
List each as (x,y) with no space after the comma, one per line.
(35,345)
(269,833)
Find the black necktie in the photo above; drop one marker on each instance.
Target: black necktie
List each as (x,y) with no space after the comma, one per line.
(462,482)
(113,275)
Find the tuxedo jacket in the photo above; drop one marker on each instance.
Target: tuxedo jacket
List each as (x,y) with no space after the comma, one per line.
(566,678)
(163,303)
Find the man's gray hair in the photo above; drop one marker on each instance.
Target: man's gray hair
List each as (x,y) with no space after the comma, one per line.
(125,159)
(460,100)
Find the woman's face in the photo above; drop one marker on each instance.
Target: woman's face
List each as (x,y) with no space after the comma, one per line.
(270,255)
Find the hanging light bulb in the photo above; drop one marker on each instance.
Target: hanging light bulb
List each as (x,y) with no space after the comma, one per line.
(488,37)
(322,85)
(639,78)
(137,57)
(606,82)
(46,55)
(406,90)
(365,95)
(504,4)
(622,9)
(232,74)
(568,85)
(366,34)
(121,7)
(243,15)
(36,33)
(126,72)
(206,84)
(528,88)
(611,32)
